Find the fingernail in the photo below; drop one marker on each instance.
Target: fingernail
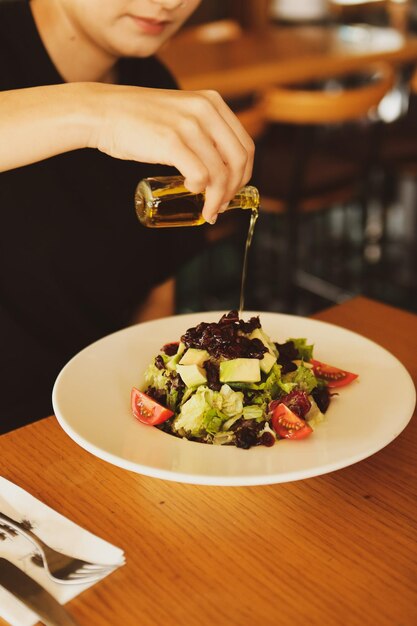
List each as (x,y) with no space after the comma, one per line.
(210,219)
(223,207)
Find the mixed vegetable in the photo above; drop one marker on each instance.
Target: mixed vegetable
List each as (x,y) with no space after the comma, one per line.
(228,383)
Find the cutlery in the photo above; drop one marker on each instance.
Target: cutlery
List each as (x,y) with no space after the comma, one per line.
(34,596)
(61,568)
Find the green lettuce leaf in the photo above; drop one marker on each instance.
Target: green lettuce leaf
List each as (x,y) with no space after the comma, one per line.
(302,378)
(305,351)
(206,411)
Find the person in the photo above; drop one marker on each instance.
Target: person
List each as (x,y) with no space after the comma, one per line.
(86,111)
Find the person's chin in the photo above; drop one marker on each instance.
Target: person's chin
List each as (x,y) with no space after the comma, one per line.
(134,48)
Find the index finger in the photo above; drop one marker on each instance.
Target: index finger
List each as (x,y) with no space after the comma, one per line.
(242,135)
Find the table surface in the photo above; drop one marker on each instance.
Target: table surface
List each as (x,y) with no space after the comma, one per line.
(280,54)
(335,549)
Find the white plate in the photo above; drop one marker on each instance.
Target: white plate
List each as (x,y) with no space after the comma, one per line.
(91,399)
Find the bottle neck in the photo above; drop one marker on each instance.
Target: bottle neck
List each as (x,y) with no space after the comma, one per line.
(246,198)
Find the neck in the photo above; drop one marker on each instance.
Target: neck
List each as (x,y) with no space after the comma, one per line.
(76,57)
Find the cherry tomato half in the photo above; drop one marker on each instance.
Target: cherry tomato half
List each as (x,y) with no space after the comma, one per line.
(333,376)
(288,425)
(146,410)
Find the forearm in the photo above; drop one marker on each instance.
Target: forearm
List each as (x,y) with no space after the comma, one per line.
(193,131)
(40,122)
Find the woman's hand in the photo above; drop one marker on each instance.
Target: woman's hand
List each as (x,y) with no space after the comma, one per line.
(194,131)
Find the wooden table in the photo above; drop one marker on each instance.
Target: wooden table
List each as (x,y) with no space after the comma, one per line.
(282,55)
(336,550)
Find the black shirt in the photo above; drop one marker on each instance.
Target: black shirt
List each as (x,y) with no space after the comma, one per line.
(74,260)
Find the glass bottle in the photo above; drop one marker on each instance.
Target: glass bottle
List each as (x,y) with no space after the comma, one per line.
(163,201)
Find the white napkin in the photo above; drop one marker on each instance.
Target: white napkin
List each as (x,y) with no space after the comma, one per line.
(58,532)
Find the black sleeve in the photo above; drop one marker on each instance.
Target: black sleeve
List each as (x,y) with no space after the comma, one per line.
(6,63)
(148,72)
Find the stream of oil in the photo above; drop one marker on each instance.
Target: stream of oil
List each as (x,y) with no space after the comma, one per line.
(179,207)
(253,218)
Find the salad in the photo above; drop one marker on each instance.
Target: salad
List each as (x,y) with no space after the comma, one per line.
(228,383)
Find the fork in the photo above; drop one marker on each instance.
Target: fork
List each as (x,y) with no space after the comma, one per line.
(60,567)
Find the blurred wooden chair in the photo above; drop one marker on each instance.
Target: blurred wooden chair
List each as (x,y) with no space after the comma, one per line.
(398,195)
(303,165)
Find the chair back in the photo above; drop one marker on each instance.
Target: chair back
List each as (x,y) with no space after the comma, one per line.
(326,105)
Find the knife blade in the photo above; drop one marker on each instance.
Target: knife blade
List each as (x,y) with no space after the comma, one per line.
(33,595)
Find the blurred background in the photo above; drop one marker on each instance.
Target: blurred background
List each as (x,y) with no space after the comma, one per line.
(328,91)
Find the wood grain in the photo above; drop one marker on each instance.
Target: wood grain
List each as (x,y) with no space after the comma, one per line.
(339,549)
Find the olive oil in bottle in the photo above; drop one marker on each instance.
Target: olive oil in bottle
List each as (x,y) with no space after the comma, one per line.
(164,202)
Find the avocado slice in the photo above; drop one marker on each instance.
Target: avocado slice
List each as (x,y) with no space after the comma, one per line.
(267,362)
(271,356)
(173,361)
(194,356)
(258,333)
(192,375)
(240,370)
